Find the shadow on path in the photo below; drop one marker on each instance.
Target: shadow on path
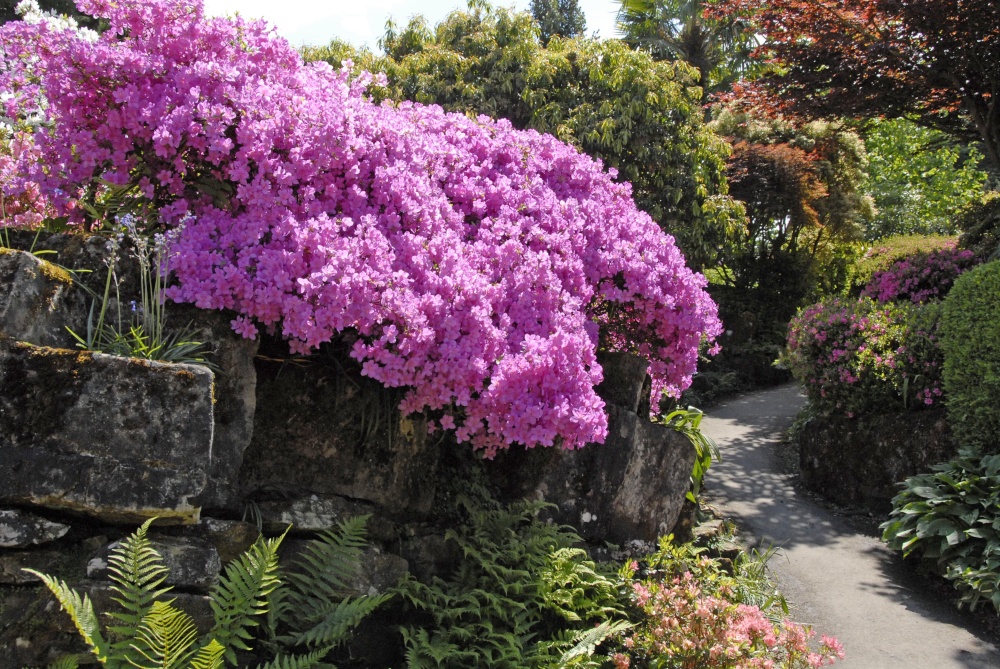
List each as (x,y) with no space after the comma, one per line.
(844,583)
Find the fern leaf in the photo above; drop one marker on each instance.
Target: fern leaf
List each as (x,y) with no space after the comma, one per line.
(588,640)
(81,610)
(242,594)
(314,659)
(164,638)
(333,628)
(65,662)
(137,574)
(209,657)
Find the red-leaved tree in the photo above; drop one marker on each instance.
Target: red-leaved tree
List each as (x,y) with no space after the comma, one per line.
(936,61)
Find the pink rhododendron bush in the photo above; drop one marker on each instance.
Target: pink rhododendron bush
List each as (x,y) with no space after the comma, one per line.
(921,277)
(476,264)
(860,357)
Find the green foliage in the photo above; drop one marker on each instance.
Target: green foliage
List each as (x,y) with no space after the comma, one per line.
(886,252)
(920,180)
(562,18)
(150,632)
(718,47)
(312,612)
(951,519)
(640,117)
(802,190)
(970,339)
(522,596)
(688,422)
(980,225)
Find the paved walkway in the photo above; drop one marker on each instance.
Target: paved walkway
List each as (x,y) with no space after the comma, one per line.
(843,583)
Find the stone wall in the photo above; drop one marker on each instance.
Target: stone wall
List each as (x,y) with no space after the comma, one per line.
(92,445)
(859,462)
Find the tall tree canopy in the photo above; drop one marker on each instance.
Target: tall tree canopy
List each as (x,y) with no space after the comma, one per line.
(920,180)
(558,17)
(642,118)
(935,61)
(718,46)
(802,187)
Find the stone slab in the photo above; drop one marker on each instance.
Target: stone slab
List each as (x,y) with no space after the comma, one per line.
(114,438)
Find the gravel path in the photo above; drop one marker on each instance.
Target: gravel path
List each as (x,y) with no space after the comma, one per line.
(844,583)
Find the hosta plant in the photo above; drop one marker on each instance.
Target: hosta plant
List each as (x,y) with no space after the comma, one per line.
(950,518)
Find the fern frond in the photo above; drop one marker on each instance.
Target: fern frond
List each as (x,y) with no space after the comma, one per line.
(242,594)
(314,659)
(137,575)
(329,563)
(164,638)
(588,640)
(332,628)
(209,656)
(81,610)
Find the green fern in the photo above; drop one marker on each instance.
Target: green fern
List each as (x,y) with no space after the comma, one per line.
(242,595)
(523,596)
(152,633)
(137,575)
(313,611)
(310,661)
(81,610)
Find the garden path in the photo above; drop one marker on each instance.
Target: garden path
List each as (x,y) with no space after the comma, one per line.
(842,582)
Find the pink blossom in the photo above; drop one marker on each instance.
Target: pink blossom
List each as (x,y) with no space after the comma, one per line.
(475,264)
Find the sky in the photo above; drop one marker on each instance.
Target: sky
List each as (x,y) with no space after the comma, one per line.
(362,22)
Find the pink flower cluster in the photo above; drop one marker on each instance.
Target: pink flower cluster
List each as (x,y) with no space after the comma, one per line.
(475,263)
(690,628)
(859,357)
(921,277)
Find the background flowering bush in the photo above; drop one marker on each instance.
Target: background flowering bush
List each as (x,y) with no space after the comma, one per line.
(864,357)
(475,263)
(920,277)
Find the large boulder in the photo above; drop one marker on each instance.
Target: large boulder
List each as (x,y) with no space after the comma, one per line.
(235,394)
(321,430)
(38,300)
(115,438)
(630,487)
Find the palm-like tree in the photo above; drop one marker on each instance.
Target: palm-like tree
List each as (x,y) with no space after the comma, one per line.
(680,30)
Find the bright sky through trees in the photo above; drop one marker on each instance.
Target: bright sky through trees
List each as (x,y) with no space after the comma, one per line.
(317,21)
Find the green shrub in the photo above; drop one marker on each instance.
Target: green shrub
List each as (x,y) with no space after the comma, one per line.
(980,227)
(970,339)
(951,519)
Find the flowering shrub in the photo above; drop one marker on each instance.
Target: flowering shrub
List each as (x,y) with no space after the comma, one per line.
(921,277)
(474,263)
(692,618)
(862,357)
(890,250)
